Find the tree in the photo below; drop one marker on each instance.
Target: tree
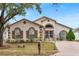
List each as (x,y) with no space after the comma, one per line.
(70,35)
(10,10)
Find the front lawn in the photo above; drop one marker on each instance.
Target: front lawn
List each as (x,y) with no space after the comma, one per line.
(47,48)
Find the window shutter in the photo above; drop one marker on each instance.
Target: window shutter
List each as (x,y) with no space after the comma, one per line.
(13,34)
(21,34)
(27,34)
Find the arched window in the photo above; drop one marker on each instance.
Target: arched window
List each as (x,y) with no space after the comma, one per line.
(31,33)
(48,26)
(17,33)
(62,35)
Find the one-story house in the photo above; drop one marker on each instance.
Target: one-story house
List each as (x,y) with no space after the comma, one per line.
(43,28)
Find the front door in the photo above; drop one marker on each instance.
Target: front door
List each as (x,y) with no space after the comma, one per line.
(48,34)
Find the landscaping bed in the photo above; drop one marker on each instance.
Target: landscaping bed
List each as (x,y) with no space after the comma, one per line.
(47,48)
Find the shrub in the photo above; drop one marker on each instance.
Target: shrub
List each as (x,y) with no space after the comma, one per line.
(8,41)
(70,35)
(18,46)
(22,41)
(32,40)
(21,46)
(15,41)
(11,41)
(27,41)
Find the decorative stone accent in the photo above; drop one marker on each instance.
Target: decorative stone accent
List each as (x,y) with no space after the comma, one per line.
(24,22)
(8,32)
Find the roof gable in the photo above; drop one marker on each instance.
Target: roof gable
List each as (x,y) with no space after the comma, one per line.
(44,18)
(51,20)
(25,20)
(34,22)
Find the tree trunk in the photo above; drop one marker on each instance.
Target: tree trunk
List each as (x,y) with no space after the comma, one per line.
(1,38)
(1,31)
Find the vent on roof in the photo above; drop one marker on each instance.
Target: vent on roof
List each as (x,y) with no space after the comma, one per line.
(41,21)
(48,20)
(24,22)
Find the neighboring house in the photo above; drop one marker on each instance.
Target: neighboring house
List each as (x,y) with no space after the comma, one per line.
(76,32)
(43,28)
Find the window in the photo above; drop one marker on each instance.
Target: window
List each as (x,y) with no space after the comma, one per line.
(48,34)
(51,34)
(31,31)
(48,26)
(17,33)
(62,35)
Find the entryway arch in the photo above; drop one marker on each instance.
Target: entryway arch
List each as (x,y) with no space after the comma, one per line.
(49,31)
(62,35)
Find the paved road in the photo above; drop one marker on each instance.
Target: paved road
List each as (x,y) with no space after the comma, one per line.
(67,48)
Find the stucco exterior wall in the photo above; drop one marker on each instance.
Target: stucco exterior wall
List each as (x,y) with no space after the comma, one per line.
(59,28)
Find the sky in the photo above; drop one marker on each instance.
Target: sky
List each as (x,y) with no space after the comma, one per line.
(66,14)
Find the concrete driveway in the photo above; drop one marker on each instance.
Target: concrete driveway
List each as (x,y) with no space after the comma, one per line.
(67,48)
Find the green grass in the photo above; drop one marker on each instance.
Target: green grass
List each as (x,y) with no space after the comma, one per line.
(47,48)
